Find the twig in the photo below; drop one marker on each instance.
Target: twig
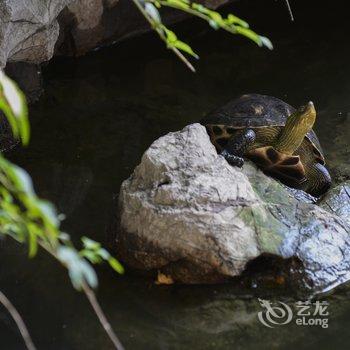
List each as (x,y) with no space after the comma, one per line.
(183,59)
(101,316)
(94,303)
(161,35)
(19,321)
(290,10)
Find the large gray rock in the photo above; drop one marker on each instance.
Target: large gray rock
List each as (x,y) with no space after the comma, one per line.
(29,30)
(190,215)
(337,200)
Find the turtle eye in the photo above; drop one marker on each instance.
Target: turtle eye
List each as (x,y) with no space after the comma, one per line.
(302,109)
(217,130)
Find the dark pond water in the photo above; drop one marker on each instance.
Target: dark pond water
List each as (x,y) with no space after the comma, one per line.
(97,117)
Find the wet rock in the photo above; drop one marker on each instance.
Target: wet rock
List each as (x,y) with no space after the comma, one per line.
(186,213)
(337,200)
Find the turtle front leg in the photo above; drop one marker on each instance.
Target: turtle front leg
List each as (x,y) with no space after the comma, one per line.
(237,146)
(318,180)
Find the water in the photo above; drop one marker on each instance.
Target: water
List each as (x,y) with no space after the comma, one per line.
(97,117)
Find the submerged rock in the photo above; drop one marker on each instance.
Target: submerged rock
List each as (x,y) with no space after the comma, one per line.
(186,213)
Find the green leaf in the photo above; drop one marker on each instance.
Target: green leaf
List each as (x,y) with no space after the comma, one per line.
(90,244)
(214,24)
(64,237)
(33,243)
(185,48)
(170,35)
(89,274)
(104,254)
(215,16)
(232,19)
(249,34)
(91,256)
(14,106)
(266,42)
(48,212)
(116,265)
(23,180)
(153,12)
(199,7)
(180,4)
(79,269)
(232,23)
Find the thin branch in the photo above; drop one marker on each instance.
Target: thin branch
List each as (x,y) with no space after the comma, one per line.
(49,240)
(183,59)
(290,10)
(101,316)
(161,35)
(94,303)
(19,321)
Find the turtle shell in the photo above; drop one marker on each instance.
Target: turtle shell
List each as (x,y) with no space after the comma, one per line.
(258,111)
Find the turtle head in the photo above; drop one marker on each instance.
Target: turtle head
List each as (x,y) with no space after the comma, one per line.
(298,124)
(304,118)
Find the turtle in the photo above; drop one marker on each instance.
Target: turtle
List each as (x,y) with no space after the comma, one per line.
(278,138)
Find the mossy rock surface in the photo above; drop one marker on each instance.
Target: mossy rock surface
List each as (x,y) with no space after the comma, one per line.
(189,215)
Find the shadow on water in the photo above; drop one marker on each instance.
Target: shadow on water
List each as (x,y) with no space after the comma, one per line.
(97,117)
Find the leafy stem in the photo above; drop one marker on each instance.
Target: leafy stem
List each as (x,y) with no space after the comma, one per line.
(232,24)
(159,28)
(28,219)
(91,296)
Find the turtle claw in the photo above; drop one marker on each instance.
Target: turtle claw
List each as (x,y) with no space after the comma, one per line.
(237,146)
(232,159)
